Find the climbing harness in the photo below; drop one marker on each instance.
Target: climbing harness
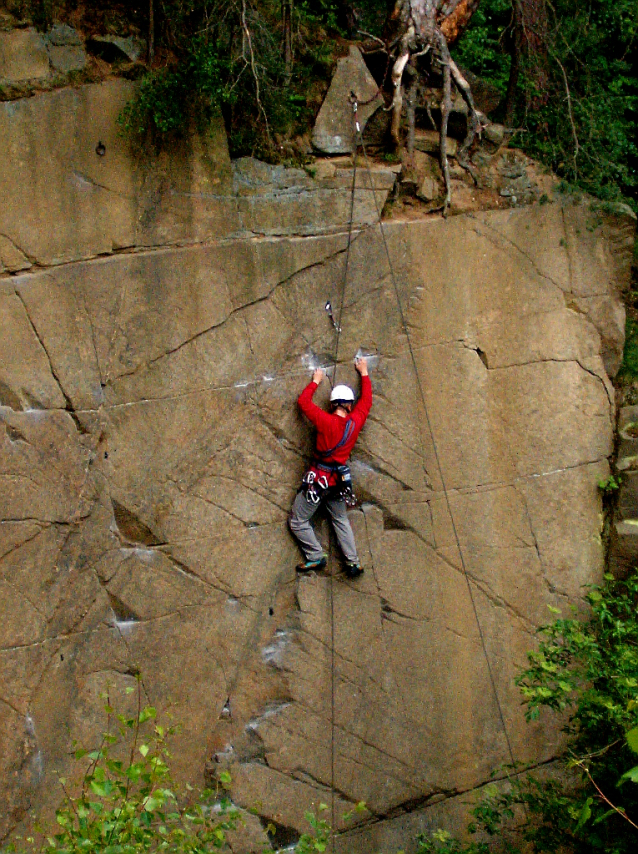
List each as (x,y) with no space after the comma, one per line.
(358,141)
(317,486)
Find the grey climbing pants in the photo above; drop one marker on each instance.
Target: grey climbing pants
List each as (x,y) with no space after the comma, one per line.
(299,522)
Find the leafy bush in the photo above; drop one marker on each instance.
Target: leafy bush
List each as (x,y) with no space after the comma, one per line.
(167,98)
(229,55)
(126,801)
(483,47)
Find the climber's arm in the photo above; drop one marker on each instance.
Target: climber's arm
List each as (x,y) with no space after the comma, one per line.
(312,412)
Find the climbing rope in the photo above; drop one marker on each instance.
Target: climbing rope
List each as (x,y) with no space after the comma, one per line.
(358,142)
(336,322)
(404,324)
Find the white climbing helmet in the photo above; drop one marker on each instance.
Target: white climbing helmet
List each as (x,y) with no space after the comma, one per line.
(341,394)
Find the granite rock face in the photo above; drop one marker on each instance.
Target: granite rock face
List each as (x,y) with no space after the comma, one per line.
(159,319)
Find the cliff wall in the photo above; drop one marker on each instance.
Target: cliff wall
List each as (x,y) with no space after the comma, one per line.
(159,316)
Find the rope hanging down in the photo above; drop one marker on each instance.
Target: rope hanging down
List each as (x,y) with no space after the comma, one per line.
(336,321)
(406,330)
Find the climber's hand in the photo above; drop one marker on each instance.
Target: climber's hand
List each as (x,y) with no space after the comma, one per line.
(361,366)
(318,376)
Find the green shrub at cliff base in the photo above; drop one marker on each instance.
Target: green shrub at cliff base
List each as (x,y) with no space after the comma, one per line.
(585,669)
(589,670)
(126,801)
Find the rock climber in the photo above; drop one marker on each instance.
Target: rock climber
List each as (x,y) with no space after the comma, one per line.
(327,481)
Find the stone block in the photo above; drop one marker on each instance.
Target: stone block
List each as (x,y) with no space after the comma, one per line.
(627,457)
(623,551)
(494,133)
(333,132)
(63,35)
(628,497)
(66,58)
(429,189)
(23,56)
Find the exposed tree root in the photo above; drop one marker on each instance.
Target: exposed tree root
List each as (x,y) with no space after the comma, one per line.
(424,27)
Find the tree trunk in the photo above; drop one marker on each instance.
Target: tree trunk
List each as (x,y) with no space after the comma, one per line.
(151,32)
(347,18)
(456,22)
(528,49)
(286,14)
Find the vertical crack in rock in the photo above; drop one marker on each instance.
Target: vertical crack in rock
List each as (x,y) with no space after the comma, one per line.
(528,517)
(93,339)
(69,403)
(106,377)
(567,252)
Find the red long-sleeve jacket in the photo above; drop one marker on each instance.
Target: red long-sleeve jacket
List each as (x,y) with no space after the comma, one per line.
(330,427)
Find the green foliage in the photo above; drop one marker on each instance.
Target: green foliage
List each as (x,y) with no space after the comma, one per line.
(629,367)
(488,816)
(126,801)
(168,97)
(587,130)
(229,56)
(584,122)
(482,48)
(442,842)
(609,485)
(590,668)
(318,839)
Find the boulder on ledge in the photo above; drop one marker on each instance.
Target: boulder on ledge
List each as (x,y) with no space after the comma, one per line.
(333,132)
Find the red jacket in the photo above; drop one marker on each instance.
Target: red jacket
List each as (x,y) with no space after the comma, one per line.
(330,427)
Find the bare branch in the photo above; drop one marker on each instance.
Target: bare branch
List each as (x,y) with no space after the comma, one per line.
(571,115)
(602,795)
(248,41)
(374,38)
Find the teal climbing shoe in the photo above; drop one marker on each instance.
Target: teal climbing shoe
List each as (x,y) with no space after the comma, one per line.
(309,565)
